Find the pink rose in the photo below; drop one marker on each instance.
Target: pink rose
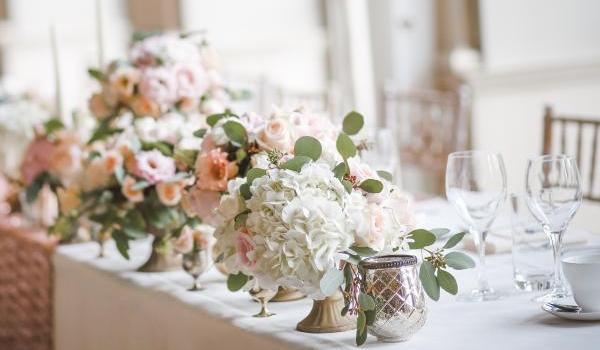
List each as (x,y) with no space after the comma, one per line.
(142,106)
(245,248)
(360,170)
(99,107)
(159,85)
(213,170)
(371,232)
(153,166)
(191,81)
(36,160)
(169,193)
(277,134)
(197,202)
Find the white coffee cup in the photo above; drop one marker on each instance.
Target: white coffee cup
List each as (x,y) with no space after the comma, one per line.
(583,273)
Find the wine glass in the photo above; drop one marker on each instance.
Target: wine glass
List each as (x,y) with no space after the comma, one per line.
(263,296)
(476,187)
(553,188)
(196,263)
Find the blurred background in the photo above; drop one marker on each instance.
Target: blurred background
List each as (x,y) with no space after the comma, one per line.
(430,76)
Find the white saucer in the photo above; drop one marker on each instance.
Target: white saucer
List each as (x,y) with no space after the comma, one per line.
(571,315)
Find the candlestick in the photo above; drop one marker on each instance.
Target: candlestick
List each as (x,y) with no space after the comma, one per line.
(56,66)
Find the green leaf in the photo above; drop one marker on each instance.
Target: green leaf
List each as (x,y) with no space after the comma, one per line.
(161,146)
(385,175)
(361,328)
(421,239)
(366,301)
(122,242)
(133,232)
(459,261)
(240,154)
(295,163)
(255,173)
(103,131)
(245,191)
(370,314)
(135,219)
(140,185)
(347,185)
(53,125)
(32,191)
(352,123)
(235,132)
(454,240)
(186,156)
(363,251)
(308,146)
(447,281)
(96,74)
(331,281)
(429,281)
(345,310)
(371,186)
(345,146)
(119,174)
(214,118)
(236,282)
(340,170)
(200,133)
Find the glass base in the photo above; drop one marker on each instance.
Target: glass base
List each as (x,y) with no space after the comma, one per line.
(478,295)
(533,284)
(555,296)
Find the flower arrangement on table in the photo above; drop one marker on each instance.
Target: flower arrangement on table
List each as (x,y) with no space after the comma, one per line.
(306,215)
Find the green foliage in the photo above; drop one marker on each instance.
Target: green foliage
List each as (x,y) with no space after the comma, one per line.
(295,163)
(454,240)
(345,146)
(429,280)
(236,282)
(308,146)
(97,74)
(347,185)
(363,251)
(361,328)
(340,170)
(366,301)
(200,133)
(385,175)
(421,239)
(371,186)
(447,281)
(353,123)
(186,156)
(161,146)
(245,191)
(235,132)
(103,131)
(459,260)
(122,242)
(331,281)
(255,173)
(53,125)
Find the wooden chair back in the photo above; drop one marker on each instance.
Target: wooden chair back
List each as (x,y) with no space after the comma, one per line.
(578,137)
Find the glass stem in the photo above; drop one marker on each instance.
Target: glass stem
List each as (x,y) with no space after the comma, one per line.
(556,241)
(479,237)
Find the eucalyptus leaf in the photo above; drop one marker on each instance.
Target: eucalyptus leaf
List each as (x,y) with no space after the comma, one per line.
(371,186)
(236,282)
(363,251)
(235,132)
(245,191)
(186,156)
(140,185)
(340,170)
(421,239)
(353,123)
(308,146)
(361,328)
(102,132)
(200,133)
(160,146)
(122,243)
(459,260)
(133,232)
(296,163)
(345,310)
(331,281)
(32,191)
(214,118)
(366,301)
(96,74)
(454,240)
(429,281)
(53,125)
(345,146)
(255,173)
(447,281)
(385,175)
(347,185)
(240,154)
(370,314)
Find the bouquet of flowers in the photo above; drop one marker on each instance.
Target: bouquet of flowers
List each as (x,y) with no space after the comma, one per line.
(308,216)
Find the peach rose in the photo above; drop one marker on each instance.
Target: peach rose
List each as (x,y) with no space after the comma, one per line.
(197,202)
(131,194)
(276,135)
(65,160)
(68,199)
(112,160)
(99,107)
(142,106)
(169,193)
(123,81)
(213,170)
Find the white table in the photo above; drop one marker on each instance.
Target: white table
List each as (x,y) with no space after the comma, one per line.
(103,304)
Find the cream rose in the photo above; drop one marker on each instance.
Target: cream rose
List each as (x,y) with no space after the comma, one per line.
(276,134)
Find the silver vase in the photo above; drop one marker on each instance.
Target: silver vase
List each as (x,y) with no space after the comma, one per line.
(393,281)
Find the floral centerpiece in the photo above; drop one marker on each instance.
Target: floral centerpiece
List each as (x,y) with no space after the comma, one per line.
(298,219)
(145,145)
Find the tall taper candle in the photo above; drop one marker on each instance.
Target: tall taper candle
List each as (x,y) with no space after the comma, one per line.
(100,33)
(56,66)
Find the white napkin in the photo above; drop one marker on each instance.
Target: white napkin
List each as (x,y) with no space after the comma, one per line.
(500,241)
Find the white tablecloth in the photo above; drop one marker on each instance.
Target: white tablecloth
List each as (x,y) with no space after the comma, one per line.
(102,304)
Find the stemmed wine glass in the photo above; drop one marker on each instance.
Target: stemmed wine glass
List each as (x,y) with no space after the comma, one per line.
(476,187)
(554,194)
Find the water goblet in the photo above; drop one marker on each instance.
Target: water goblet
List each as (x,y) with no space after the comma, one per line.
(262,296)
(553,189)
(476,187)
(196,263)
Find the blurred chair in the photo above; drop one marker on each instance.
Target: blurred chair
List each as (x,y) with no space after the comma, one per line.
(428,125)
(577,137)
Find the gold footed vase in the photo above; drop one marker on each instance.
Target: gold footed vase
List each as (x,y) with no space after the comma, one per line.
(326,316)
(287,294)
(162,259)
